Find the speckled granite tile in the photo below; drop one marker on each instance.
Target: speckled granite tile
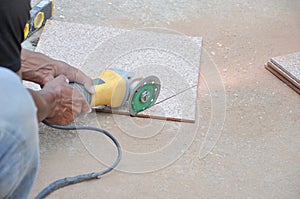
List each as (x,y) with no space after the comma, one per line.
(173,58)
(290,64)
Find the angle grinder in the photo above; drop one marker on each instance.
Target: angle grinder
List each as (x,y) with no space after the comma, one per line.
(114,88)
(117,88)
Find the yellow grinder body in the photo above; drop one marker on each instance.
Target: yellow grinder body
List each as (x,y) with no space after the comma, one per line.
(114,88)
(112,92)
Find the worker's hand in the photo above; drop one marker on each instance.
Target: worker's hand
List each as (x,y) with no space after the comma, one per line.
(41,69)
(68,101)
(73,74)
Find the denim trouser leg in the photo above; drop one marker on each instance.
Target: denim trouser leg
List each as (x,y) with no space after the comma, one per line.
(19,144)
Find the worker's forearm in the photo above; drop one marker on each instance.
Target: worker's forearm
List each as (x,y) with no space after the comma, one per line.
(37,67)
(31,59)
(44,102)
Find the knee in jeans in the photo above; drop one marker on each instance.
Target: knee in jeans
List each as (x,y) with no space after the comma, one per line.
(16,104)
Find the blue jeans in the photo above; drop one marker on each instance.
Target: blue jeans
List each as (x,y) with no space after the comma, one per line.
(19,143)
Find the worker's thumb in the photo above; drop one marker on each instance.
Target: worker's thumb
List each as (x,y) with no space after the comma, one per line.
(62,78)
(89,87)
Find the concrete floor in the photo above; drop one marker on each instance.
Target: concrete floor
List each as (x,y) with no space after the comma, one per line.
(255,153)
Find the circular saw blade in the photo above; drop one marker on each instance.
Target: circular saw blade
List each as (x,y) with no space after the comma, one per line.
(144,95)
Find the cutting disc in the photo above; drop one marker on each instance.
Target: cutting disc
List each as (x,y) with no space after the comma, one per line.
(144,95)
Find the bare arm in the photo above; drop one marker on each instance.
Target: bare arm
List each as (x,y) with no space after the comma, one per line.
(37,67)
(57,102)
(40,69)
(44,103)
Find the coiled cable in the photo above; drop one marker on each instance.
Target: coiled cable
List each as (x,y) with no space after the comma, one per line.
(83,177)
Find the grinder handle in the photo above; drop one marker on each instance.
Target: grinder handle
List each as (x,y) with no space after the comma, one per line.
(85,93)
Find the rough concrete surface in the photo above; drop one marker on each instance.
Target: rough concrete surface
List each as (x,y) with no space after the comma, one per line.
(255,153)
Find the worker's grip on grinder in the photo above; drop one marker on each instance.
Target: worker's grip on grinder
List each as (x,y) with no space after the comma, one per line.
(116,88)
(85,93)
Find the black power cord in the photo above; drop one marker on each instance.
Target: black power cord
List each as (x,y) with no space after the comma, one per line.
(83,177)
